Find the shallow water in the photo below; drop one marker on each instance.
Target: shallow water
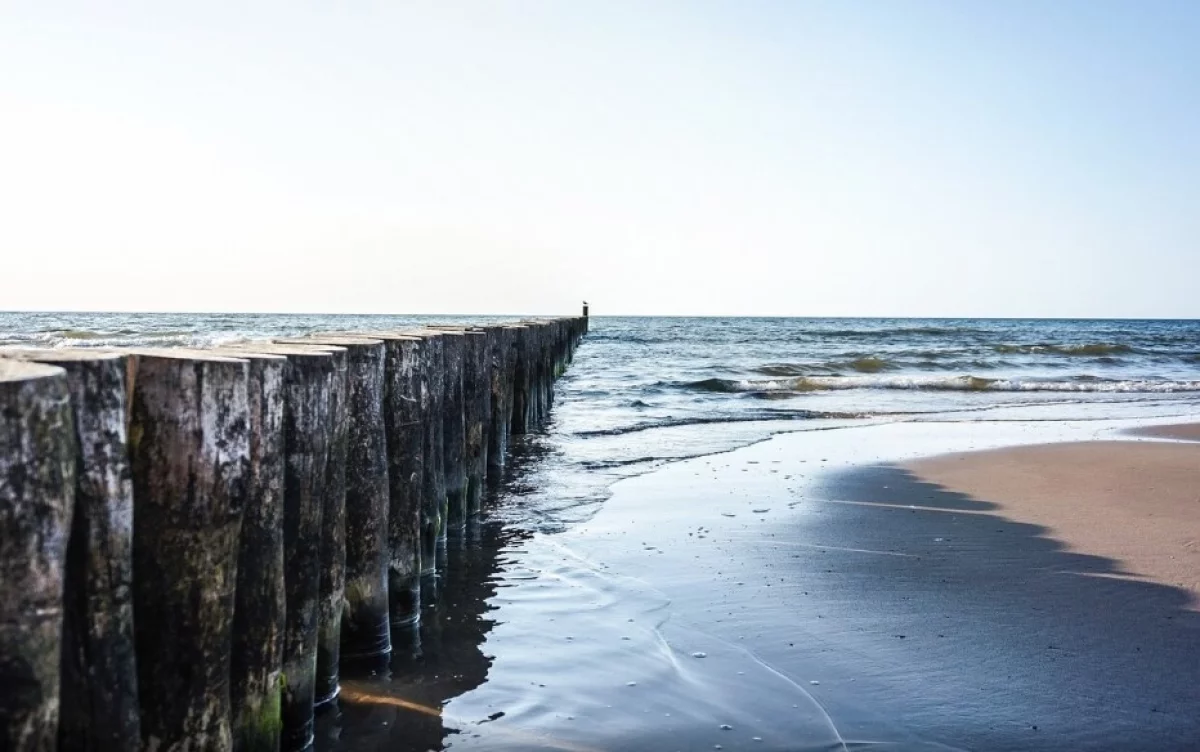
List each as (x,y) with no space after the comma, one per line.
(622,596)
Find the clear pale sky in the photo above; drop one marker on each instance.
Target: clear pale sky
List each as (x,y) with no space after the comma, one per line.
(953,158)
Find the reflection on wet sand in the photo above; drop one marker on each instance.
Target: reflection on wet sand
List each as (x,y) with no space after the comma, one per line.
(402,710)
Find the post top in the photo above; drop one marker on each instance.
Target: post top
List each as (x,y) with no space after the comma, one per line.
(182,353)
(60,355)
(403,336)
(20,370)
(272,348)
(340,340)
(248,353)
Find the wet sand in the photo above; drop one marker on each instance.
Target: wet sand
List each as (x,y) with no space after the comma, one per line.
(1177,431)
(818,591)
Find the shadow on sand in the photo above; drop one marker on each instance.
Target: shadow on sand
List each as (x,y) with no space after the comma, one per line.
(1010,641)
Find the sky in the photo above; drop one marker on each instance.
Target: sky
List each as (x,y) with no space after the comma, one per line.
(891,158)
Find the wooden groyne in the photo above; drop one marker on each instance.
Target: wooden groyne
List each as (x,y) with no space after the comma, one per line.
(194,542)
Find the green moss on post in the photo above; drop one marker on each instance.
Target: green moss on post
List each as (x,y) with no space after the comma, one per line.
(259,620)
(307,385)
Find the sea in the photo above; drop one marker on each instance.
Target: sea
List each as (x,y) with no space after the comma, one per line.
(646,394)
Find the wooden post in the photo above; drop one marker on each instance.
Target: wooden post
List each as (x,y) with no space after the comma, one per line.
(541,358)
(306,433)
(333,528)
(190,459)
(99,709)
(454,430)
(519,421)
(37,495)
(546,369)
(433,474)
(407,404)
(365,631)
(504,363)
(260,613)
(476,399)
(405,409)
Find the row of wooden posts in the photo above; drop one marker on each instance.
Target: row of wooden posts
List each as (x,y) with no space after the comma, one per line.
(193,541)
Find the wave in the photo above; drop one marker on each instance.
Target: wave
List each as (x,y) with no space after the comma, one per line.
(1092,349)
(79,334)
(962,383)
(702,420)
(909,331)
(861,364)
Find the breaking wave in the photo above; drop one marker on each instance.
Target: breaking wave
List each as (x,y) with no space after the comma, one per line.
(909,331)
(1093,349)
(962,383)
(713,419)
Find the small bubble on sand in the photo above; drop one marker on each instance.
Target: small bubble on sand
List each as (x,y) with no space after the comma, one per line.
(814,682)
(699,654)
(726,727)
(630,684)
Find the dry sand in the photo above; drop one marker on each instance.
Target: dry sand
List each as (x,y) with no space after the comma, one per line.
(1136,502)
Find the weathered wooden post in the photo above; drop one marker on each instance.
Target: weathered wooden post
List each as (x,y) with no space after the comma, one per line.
(504,365)
(99,709)
(333,527)
(562,346)
(365,632)
(536,373)
(405,408)
(519,422)
(190,458)
(433,474)
(537,360)
(37,495)
(307,381)
(476,402)
(543,371)
(407,405)
(546,362)
(454,430)
(260,613)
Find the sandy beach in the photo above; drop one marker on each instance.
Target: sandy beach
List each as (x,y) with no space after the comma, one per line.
(1137,503)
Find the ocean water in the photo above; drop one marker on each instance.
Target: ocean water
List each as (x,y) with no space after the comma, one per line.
(572,619)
